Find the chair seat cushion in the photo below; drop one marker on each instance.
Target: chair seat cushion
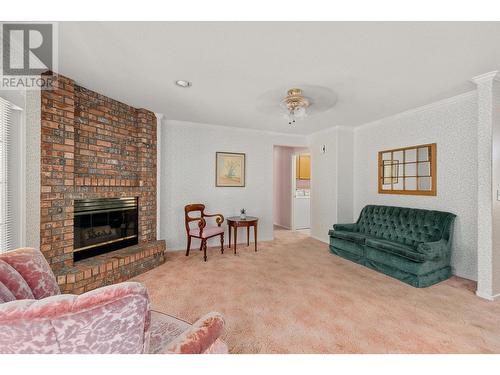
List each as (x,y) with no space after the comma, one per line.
(396,249)
(164,329)
(207,232)
(350,236)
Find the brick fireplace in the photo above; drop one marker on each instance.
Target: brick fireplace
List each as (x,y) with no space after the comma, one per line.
(94,147)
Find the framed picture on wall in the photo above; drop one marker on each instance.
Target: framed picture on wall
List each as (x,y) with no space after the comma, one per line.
(229,169)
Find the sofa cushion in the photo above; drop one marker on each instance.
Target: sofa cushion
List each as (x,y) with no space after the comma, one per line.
(108,320)
(412,245)
(396,249)
(433,250)
(14,281)
(34,269)
(5,294)
(350,236)
(349,249)
(379,256)
(406,226)
(346,227)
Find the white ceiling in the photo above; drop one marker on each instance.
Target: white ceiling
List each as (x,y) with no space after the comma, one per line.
(376,68)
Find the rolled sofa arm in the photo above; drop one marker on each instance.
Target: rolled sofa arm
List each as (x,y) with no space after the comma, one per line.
(199,337)
(113,319)
(433,250)
(346,227)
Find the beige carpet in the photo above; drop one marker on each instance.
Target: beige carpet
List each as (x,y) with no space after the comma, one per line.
(293,296)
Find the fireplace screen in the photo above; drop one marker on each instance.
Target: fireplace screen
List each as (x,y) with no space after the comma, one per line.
(103,225)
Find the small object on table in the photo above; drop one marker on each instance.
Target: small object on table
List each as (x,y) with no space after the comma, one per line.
(235,221)
(243,214)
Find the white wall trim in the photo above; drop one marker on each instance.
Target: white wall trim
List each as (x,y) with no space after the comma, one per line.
(486,77)
(484,187)
(244,130)
(282,226)
(488,297)
(320,239)
(32,172)
(424,108)
(331,128)
(159,117)
(293,166)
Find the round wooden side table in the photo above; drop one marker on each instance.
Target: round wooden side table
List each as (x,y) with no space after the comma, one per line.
(234,222)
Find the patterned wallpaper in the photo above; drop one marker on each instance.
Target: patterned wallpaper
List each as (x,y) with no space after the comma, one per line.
(452,125)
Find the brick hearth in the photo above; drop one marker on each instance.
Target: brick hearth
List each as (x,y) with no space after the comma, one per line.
(95,147)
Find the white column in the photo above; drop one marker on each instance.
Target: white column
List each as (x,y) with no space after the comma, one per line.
(159,118)
(32,162)
(488,208)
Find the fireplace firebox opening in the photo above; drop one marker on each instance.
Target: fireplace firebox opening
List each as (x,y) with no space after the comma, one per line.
(104,224)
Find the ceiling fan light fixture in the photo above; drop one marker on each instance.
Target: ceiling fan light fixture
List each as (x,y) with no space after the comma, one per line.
(295,104)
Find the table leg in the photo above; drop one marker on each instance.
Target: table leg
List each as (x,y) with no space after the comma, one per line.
(235,237)
(229,230)
(248,235)
(255,235)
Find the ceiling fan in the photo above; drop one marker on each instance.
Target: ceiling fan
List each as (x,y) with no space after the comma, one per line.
(298,102)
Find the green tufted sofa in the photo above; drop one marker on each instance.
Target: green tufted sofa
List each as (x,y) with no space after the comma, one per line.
(409,244)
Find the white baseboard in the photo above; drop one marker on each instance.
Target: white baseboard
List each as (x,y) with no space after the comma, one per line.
(282,226)
(320,239)
(488,297)
(241,242)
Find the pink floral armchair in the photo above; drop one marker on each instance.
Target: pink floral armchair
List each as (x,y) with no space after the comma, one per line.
(36,318)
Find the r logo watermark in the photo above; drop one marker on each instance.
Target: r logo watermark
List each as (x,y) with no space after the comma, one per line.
(28,51)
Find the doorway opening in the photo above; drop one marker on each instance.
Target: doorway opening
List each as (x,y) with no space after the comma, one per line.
(292,190)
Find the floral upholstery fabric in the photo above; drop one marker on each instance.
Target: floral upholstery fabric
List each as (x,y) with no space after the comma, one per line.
(199,337)
(14,282)
(112,319)
(173,335)
(32,266)
(5,294)
(218,347)
(36,318)
(164,329)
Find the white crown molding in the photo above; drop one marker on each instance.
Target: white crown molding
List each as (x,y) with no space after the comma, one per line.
(344,127)
(240,129)
(486,77)
(427,107)
(424,108)
(332,128)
